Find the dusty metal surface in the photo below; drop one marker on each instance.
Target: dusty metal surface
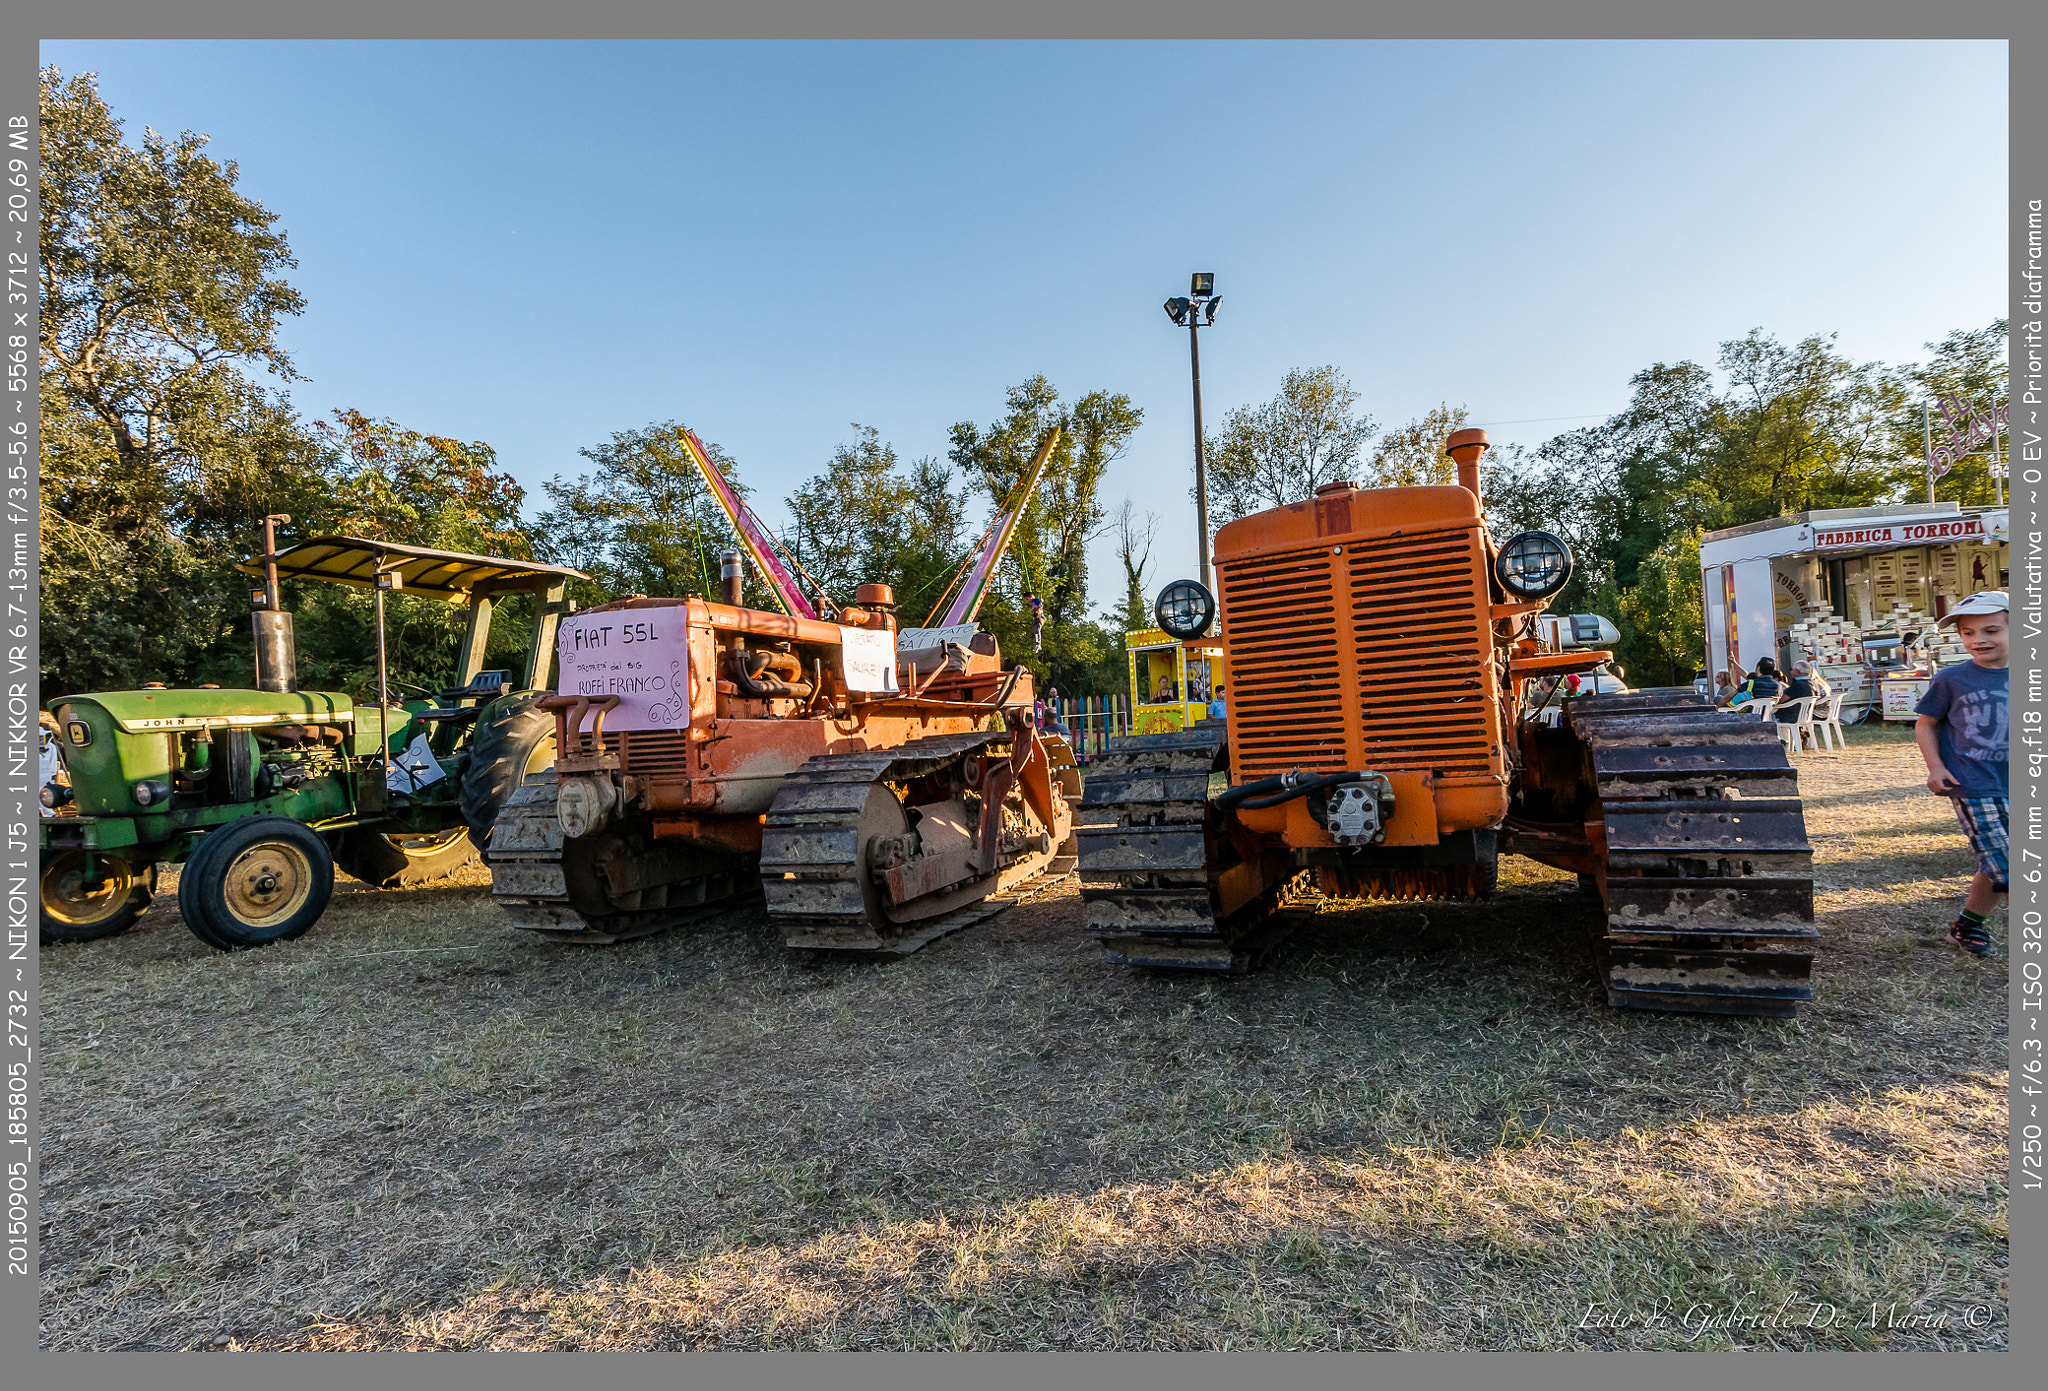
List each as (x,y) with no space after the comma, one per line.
(1698,843)
(825,890)
(624,894)
(1161,880)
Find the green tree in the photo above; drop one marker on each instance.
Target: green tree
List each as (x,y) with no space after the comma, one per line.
(390,483)
(643,522)
(161,289)
(1048,550)
(1969,368)
(866,519)
(1414,454)
(1282,451)
(1134,550)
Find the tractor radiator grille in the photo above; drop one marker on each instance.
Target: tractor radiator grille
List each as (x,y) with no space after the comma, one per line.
(1372,658)
(651,753)
(1419,627)
(1286,683)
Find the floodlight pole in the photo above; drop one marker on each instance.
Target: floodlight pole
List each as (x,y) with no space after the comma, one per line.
(1201,471)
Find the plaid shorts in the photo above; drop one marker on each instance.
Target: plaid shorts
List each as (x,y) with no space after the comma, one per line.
(1986,821)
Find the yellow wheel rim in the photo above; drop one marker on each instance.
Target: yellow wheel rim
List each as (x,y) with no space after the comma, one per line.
(426,842)
(66,898)
(267,883)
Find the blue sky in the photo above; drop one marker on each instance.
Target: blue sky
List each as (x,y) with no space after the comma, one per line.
(537,245)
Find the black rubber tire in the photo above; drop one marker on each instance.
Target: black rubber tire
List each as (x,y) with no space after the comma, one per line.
(211,883)
(384,860)
(513,738)
(74,925)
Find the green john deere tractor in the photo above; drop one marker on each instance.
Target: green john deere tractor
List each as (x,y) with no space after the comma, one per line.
(262,793)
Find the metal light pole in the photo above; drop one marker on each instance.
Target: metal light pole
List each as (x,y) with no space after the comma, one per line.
(1196,312)
(1927,446)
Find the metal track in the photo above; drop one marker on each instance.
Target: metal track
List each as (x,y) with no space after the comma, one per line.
(1161,881)
(813,865)
(1699,847)
(529,878)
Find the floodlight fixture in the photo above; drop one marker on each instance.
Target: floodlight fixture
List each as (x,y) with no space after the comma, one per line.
(1202,283)
(1177,310)
(1211,307)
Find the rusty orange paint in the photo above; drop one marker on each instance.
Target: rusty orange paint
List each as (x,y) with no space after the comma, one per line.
(709,783)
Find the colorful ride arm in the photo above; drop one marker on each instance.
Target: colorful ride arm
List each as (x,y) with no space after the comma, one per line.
(980,567)
(760,548)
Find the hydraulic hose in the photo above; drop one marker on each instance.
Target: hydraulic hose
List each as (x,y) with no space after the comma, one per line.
(1272,792)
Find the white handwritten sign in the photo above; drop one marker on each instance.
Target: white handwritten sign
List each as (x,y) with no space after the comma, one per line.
(642,656)
(869,659)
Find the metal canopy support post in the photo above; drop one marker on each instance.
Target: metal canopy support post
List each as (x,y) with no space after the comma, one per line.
(548,609)
(476,637)
(383,687)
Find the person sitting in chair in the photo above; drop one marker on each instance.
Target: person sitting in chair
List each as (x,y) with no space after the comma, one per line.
(1762,684)
(1798,688)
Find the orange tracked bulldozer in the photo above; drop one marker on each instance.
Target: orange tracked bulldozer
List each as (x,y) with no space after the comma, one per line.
(879,793)
(1393,728)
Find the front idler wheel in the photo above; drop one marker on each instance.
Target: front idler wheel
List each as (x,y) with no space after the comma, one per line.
(254,882)
(76,908)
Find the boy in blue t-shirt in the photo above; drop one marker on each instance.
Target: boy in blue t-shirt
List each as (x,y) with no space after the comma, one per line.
(1963,737)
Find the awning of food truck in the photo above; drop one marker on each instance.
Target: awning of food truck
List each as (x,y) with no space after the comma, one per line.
(449,575)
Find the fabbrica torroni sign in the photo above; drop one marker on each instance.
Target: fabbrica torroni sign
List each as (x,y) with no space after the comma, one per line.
(642,656)
(1901,533)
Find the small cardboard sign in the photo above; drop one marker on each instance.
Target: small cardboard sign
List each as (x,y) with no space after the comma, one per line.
(868,659)
(414,768)
(642,656)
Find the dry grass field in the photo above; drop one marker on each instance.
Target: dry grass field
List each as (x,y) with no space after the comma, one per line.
(1419,1127)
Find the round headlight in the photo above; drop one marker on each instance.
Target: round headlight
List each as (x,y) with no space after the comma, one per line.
(1533,565)
(150,793)
(1185,609)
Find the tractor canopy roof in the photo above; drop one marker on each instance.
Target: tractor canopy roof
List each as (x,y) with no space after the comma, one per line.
(449,575)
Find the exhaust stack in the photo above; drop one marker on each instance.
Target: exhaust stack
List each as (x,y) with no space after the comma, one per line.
(1465,447)
(277,663)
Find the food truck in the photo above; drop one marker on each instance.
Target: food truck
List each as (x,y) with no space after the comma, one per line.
(1856,591)
(1172,681)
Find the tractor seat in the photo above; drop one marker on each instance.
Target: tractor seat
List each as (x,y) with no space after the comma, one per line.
(461,714)
(485,685)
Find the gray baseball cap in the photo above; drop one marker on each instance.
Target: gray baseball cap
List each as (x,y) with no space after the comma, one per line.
(1987,601)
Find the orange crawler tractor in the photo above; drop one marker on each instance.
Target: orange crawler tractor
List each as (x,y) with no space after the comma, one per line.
(1388,737)
(881,788)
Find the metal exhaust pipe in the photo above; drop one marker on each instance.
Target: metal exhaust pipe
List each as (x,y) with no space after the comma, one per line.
(1465,447)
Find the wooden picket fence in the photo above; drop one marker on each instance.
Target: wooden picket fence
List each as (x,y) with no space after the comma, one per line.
(1093,721)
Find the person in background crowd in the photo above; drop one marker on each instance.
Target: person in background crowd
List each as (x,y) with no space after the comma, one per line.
(1216,708)
(1053,723)
(1724,688)
(1965,741)
(1798,688)
(1037,606)
(1814,679)
(1166,691)
(1762,684)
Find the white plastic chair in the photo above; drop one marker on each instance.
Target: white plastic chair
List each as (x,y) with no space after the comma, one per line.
(1826,725)
(1793,733)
